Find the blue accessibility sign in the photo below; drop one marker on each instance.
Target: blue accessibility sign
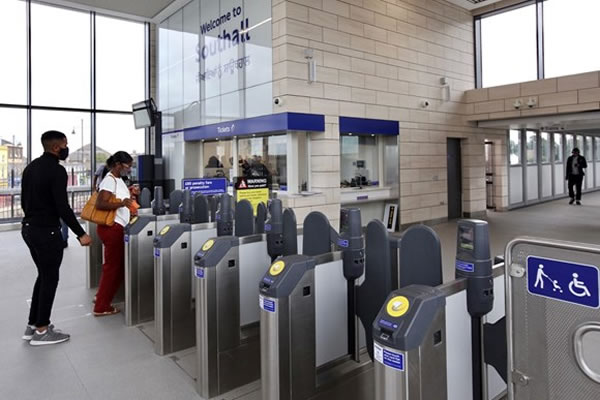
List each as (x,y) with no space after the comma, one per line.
(564,281)
(206,186)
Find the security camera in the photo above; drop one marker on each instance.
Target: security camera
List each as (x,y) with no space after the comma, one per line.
(517,104)
(425,103)
(531,102)
(278,101)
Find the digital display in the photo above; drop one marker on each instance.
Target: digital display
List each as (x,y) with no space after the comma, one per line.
(465,237)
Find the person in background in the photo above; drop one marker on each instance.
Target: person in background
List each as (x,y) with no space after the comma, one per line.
(44,202)
(100,173)
(576,164)
(113,269)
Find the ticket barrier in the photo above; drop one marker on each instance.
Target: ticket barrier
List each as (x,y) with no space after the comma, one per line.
(93,257)
(227,273)
(429,342)
(310,305)
(174,248)
(139,265)
(553,322)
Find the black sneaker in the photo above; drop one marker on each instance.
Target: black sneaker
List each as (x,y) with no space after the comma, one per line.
(571,201)
(578,202)
(49,337)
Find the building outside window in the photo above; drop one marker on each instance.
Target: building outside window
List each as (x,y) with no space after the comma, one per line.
(545,138)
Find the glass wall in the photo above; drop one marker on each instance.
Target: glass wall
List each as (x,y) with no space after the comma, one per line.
(359,161)
(215,62)
(218,159)
(513,41)
(558,147)
(569,26)
(502,64)
(545,138)
(61,45)
(13,45)
(543,175)
(264,156)
(514,149)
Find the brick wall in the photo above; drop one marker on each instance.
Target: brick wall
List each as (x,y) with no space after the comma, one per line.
(564,95)
(380,59)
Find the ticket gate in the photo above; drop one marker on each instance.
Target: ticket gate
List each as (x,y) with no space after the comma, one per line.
(552,301)
(312,344)
(428,341)
(327,358)
(227,272)
(139,264)
(174,248)
(93,257)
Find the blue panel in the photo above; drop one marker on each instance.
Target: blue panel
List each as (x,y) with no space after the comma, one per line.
(563,281)
(206,186)
(365,126)
(258,125)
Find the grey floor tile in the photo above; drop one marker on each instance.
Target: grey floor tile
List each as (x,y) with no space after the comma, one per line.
(40,371)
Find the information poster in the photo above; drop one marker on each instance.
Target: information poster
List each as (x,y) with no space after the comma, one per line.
(206,186)
(255,190)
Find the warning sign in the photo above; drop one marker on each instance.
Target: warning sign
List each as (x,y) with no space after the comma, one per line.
(255,190)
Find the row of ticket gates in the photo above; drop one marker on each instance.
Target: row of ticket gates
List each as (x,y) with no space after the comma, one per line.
(359,314)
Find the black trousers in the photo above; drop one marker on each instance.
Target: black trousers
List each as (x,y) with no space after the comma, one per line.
(46,248)
(575,180)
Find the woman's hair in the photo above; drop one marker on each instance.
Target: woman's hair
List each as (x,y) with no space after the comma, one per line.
(119,157)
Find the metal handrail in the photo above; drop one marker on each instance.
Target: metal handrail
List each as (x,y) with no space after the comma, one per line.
(10,202)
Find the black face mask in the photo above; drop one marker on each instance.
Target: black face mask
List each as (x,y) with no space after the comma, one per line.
(63,153)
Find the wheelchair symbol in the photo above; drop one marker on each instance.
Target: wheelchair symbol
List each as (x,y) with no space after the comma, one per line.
(578,288)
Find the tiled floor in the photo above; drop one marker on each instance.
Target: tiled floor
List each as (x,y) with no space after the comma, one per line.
(107,360)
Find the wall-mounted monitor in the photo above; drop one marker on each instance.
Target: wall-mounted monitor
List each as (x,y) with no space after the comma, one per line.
(143,113)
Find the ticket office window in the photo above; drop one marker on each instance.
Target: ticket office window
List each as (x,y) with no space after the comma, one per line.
(218,159)
(264,156)
(360,158)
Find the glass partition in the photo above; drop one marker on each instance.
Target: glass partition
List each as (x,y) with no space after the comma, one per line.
(545,146)
(597,144)
(558,148)
(570,145)
(218,159)
(515,147)
(531,147)
(589,148)
(13,45)
(359,161)
(264,156)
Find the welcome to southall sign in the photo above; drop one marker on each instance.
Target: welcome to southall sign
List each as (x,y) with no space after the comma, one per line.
(233,30)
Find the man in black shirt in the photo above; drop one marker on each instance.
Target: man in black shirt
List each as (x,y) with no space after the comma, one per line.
(575,173)
(44,202)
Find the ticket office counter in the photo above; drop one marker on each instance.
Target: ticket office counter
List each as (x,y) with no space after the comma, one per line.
(369,165)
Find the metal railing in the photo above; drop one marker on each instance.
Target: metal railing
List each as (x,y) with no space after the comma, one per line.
(10,202)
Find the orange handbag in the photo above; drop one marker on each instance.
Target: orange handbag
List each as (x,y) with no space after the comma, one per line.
(99,217)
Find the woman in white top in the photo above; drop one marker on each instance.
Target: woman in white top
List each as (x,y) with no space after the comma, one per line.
(113,269)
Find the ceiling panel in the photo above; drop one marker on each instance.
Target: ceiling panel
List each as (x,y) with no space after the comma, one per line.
(473,4)
(139,9)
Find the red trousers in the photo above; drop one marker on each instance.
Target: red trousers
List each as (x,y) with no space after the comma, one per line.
(113,269)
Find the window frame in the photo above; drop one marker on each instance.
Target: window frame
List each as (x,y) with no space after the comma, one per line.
(477,39)
(92,109)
